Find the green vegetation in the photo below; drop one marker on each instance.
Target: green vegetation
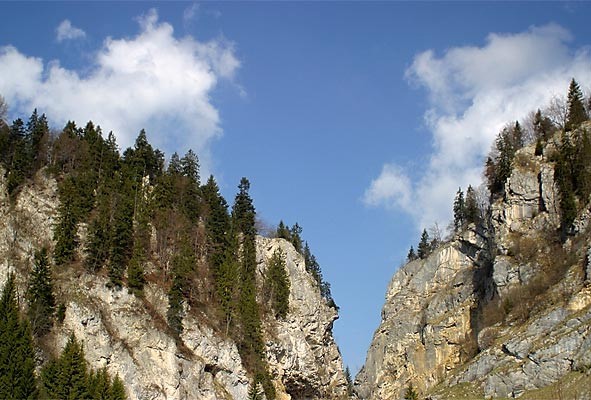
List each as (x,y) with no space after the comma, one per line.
(40,298)
(68,377)
(17,356)
(138,212)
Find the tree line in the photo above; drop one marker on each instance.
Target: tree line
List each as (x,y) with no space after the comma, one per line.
(571,158)
(151,220)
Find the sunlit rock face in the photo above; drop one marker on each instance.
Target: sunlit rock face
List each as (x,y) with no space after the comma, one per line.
(434,333)
(130,337)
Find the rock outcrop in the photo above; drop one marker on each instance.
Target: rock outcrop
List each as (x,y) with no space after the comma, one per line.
(130,336)
(439,328)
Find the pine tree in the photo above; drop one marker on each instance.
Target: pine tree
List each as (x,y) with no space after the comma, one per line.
(254,393)
(17,362)
(283,231)
(40,296)
(189,166)
(472,211)
(412,255)
(117,390)
(424,245)
(459,209)
(295,237)
(278,284)
(576,109)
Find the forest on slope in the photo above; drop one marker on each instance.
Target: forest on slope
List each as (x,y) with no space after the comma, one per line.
(120,212)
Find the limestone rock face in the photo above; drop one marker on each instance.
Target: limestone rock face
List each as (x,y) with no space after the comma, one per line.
(432,332)
(130,336)
(303,353)
(426,319)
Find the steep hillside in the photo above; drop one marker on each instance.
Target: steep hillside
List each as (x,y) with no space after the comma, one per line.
(503,308)
(130,336)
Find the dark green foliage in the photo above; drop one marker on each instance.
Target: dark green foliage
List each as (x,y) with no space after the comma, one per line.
(283,231)
(122,233)
(411,393)
(543,127)
(40,298)
(424,248)
(65,232)
(313,268)
(98,243)
(572,174)
(17,358)
(459,210)
(189,166)
(576,110)
(412,255)
(296,238)
(182,267)
(472,213)
(69,377)
(278,284)
(499,168)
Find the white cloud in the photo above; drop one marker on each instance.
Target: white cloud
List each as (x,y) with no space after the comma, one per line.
(152,80)
(190,13)
(473,93)
(391,188)
(66,31)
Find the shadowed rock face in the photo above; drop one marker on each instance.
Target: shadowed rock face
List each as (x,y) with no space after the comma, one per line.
(432,332)
(130,337)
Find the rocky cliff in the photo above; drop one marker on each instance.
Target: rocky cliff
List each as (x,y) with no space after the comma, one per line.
(131,338)
(502,309)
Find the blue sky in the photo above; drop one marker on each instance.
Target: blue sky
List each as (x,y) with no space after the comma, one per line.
(356,120)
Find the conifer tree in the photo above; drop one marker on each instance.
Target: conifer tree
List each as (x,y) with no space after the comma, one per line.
(65,232)
(424,245)
(278,284)
(283,231)
(576,110)
(189,166)
(412,255)
(411,393)
(472,213)
(459,210)
(40,296)
(17,362)
(295,237)
(350,390)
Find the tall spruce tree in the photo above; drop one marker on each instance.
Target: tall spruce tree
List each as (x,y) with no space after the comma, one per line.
(424,245)
(459,210)
(17,357)
(472,212)
(40,298)
(576,109)
(278,284)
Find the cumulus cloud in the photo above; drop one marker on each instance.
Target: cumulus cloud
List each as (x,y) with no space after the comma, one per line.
(66,31)
(473,92)
(152,80)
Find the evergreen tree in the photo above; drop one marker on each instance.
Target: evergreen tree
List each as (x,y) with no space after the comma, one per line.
(189,166)
(121,234)
(542,126)
(65,232)
(472,213)
(283,231)
(576,109)
(117,390)
(459,210)
(296,238)
(17,164)
(174,166)
(424,245)
(278,284)
(40,296)
(17,358)
(412,255)
(563,176)
(99,234)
